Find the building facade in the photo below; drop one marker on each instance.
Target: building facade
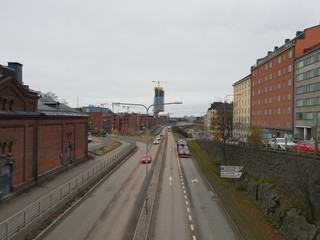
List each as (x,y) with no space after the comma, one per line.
(272,86)
(307,94)
(241,107)
(38,137)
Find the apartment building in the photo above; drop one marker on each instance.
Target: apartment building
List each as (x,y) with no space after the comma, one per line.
(307,94)
(272,85)
(241,107)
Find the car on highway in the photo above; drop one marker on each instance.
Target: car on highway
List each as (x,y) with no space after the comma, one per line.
(144,158)
(281,143)
(306,146)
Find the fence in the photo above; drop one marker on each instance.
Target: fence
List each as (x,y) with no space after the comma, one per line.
(30,217)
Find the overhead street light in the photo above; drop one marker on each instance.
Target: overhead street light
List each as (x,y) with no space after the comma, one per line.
(147,142)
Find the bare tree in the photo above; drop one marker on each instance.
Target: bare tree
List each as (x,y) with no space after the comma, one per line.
(222,125)
(52,96)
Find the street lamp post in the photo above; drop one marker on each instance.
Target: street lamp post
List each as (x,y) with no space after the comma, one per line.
(147,142)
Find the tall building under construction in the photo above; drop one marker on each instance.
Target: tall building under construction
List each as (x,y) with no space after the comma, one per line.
(158,100)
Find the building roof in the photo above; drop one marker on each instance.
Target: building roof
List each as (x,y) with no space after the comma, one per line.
(50,107)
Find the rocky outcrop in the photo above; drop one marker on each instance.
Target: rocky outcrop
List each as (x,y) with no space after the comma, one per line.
(290,222)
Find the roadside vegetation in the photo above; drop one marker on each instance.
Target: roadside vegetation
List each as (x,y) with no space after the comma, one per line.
(244,211)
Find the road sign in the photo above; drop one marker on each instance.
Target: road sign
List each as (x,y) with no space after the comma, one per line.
(230,171)
(230,174)
(231,168)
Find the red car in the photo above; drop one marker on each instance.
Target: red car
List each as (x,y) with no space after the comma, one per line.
(144,158)
(306,146)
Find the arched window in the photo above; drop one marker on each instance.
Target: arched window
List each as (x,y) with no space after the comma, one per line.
(10,147)
(11,105)
(4,103)
(3,148)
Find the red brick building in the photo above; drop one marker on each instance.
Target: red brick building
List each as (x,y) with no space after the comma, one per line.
(38,137)
(272,89)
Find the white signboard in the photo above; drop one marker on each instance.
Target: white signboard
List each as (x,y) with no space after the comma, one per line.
(230,174)
(230,171)
(231,168)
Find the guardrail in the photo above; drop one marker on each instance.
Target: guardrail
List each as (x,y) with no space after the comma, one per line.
(18,225)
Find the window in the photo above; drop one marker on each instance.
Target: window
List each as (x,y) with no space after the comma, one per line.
(310,102)
(299,103)
(279,72)
(290,68)
(289,110)
(300,64)
(289,82)
(310,60)
(279,59)
(300,77)
(289,124)
(299,116)
(290,54)
(279,85)
(301,90)
(309,115)
(289,96)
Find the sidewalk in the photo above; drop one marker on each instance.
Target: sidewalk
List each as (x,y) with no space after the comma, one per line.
(9,208)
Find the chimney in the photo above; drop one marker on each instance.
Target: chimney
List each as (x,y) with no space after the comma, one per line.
(287,40)
(298,33)
(275,48)
(17,67)
(269,52)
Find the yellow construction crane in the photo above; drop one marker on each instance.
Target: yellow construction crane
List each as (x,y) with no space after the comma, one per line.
(159,82)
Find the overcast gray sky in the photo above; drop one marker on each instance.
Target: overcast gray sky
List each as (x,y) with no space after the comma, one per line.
(103,51)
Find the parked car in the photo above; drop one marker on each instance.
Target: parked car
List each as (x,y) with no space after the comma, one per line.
(144,158)
(281,144)
(156,142)
(306,146)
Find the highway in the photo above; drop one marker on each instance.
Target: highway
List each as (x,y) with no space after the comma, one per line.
(185,206)
(170,219)
(109,210)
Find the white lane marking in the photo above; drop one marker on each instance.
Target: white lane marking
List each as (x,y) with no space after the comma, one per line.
(194,180)
(194,237)
(188,209)
(170,180)
(192,228)
(187,203)
(190,218)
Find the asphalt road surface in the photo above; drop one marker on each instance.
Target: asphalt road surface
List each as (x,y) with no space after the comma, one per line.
(110,210)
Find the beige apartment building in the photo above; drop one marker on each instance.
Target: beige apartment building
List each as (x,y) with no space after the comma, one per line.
(241,107)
